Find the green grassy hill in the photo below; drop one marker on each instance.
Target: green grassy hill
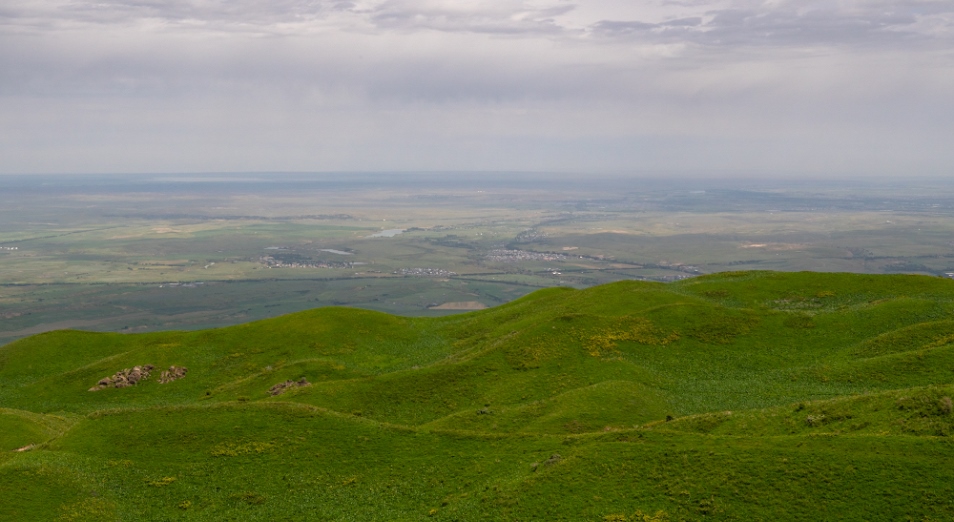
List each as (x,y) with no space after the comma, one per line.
(737,396)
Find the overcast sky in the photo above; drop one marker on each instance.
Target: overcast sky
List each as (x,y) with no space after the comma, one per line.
(778,87)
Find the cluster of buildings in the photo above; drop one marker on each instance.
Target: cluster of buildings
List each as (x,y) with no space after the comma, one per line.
(515,256)
(668,278)
(424,272)
(271,262)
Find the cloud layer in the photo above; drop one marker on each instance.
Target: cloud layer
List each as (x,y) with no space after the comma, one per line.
(189,85)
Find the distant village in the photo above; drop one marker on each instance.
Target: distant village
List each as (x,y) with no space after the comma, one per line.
(516,256)
(424,272)
(271,262)
(9,248)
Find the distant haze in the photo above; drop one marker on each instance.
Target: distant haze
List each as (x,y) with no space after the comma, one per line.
(775,87)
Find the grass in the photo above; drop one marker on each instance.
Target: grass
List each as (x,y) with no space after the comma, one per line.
(736,396)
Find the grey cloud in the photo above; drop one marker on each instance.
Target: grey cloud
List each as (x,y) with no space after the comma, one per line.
(516,18)
(501,17)
(794,24)
(683,22)
(791,27)
(291,68)
(202,14)
(742,23)
(614,28)
(244,11)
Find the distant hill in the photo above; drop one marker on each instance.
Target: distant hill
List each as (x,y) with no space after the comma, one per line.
(735,396)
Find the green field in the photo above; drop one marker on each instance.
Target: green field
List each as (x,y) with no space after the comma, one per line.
(733,396)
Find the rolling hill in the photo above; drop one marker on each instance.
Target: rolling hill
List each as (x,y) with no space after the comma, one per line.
(736,396)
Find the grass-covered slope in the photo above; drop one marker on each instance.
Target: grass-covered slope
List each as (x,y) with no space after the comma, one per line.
(736,396)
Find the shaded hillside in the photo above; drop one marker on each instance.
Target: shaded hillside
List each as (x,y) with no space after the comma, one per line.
(734,396)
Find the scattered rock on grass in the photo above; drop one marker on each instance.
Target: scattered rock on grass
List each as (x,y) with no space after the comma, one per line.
(174,373)
(282,387)
(549,462)
(947,406)
(124,378)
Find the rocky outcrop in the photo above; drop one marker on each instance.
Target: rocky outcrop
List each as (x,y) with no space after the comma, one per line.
(137,374)
(124,378)
(174,373)
(282,387)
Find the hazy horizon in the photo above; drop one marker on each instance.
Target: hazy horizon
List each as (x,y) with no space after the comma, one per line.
(750,179)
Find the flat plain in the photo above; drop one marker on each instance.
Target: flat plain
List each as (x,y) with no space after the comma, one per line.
(148,253)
